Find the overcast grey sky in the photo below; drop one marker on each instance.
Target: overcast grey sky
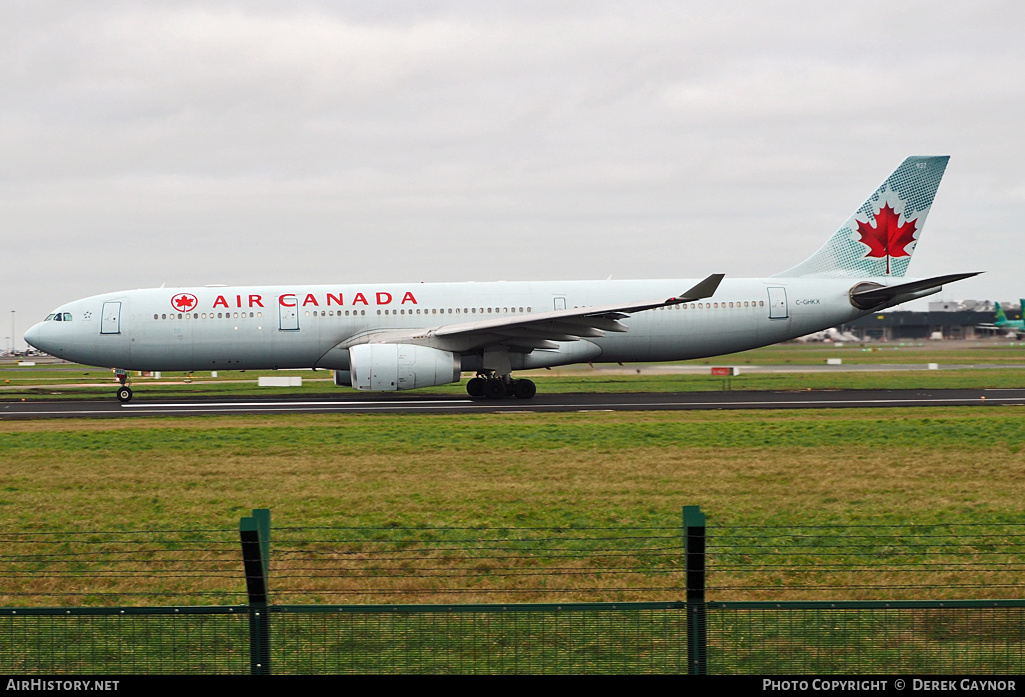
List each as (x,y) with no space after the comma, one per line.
(333,142)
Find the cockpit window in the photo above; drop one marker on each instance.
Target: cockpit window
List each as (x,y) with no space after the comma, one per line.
(58,317)
(67,316)
(49,317)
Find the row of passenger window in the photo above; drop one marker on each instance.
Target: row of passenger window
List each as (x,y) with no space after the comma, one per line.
(203,315)
(236,315)
(339,313)
(706,306)
(431,311)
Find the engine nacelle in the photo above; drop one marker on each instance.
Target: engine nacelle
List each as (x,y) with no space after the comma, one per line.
(386,367)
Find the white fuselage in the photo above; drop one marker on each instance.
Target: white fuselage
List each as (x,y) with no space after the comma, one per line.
(265,327)
(404,336)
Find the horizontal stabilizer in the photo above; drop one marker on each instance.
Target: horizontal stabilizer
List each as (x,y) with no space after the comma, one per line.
(869,295)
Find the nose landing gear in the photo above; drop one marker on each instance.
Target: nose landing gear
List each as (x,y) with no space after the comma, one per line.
(124,393)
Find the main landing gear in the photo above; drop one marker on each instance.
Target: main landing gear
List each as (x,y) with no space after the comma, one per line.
(124,393)
(491,386)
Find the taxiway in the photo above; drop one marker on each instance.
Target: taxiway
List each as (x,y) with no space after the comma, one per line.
(409,404)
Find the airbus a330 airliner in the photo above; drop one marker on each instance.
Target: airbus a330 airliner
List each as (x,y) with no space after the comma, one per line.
(405,336)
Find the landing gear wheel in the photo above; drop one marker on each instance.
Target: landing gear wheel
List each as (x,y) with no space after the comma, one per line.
(524,389)
(494,389)
(124,394)
(475,388)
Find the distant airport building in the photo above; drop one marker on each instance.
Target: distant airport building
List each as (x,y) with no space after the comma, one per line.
(966,306)
(963,319)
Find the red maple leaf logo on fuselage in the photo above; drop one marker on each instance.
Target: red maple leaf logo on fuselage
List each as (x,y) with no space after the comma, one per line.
(888,238)
(183,301)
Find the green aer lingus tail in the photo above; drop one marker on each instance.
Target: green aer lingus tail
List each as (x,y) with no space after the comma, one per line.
(1007,325)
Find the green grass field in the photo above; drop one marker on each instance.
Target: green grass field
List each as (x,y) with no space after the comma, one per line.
(325,469)
(912,467)
(904,467)
(145,511)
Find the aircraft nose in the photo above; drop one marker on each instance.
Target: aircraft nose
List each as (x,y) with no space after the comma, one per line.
(32,336)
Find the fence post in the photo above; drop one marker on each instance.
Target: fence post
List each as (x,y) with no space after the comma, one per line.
(254,532)
(694,553)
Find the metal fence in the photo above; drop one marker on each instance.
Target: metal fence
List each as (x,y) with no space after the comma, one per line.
(866,637)
(124,640)
(911,599)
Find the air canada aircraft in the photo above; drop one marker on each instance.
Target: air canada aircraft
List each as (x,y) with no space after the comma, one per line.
(405,336)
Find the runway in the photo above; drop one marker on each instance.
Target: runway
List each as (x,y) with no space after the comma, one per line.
(582,402)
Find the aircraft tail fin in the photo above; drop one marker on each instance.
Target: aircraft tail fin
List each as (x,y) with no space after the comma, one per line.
(1000,316)
(880,237)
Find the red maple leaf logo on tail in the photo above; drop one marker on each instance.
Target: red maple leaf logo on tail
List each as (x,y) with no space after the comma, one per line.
(887,238)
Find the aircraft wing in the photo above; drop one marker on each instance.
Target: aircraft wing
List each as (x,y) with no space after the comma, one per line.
(576,323)
(535,330)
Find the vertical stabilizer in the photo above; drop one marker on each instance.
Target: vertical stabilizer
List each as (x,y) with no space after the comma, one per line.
(880,237)
(1001,317)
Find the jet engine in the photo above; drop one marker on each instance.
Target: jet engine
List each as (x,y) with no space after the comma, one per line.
(386,367)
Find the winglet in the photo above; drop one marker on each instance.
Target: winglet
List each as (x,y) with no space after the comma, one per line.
(704,289)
